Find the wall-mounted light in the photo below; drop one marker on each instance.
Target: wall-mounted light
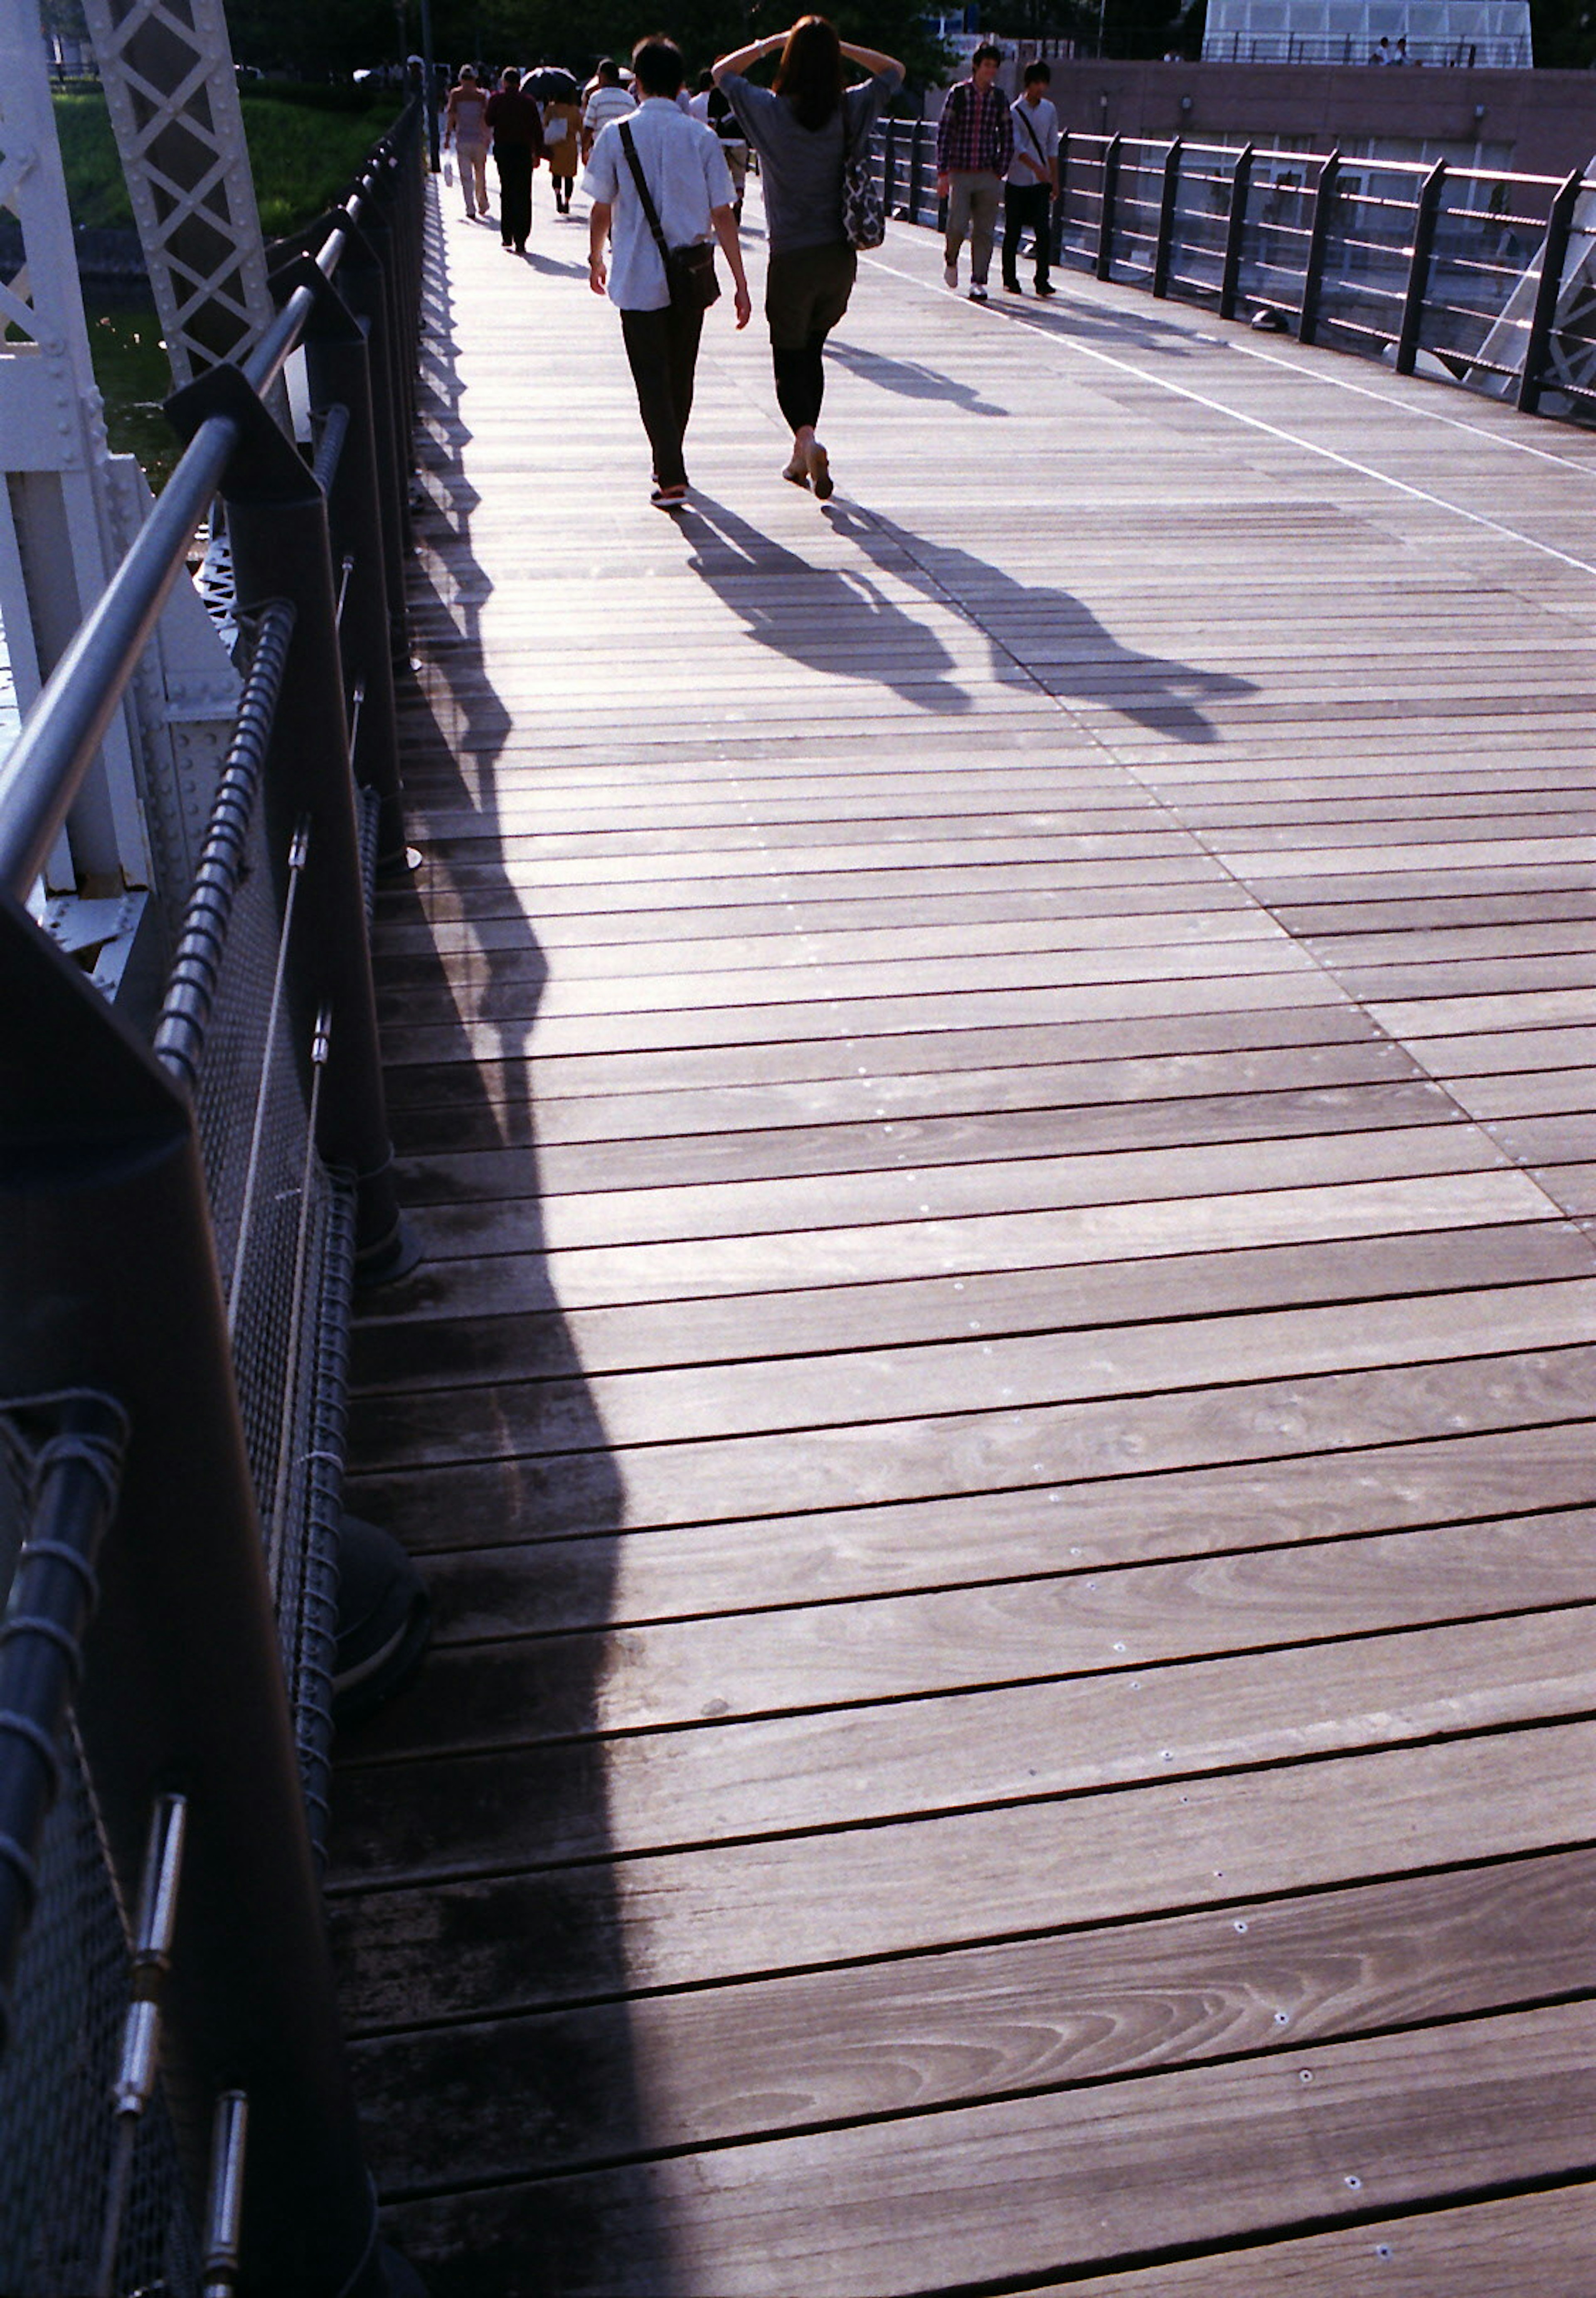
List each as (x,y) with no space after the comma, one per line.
(1479,114)
(1185,105)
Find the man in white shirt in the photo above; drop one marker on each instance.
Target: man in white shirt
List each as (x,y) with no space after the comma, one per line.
(608,100)
(1031,184)
(681,163)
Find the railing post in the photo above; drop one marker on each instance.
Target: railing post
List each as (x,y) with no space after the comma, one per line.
(339,375)
(108,1271)
(278,523)
(364,291)
(382,248)
(1548,288)
(889,166)
(1105,221)
(1236,226)
(1418,268)
(917,171)
(1058,222)
(1166,219)
(1318,234)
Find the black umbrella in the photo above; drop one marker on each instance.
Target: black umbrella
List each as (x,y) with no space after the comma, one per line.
(550,84)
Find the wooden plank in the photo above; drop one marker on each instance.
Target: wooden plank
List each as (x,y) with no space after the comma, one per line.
(1547,2240)
(448,1947)
(453,1330)
(821,2050)
(460,1106)
(1112,2174)
(1041,1452)
(997,1372)
(484,1766)
(772,1150)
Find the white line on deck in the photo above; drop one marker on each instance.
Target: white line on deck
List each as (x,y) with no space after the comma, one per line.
(1270,430)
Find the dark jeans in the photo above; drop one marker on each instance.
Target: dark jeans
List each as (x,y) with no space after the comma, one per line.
(662,350)
(514,163)
(1024,205)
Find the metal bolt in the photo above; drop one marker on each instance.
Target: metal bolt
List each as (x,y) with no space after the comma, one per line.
(1354,2181)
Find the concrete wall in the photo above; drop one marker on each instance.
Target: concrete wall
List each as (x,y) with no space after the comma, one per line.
(1545,119)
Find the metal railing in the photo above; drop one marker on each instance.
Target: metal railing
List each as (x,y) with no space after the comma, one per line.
(186,1202)
(1343,49)
(1478,275)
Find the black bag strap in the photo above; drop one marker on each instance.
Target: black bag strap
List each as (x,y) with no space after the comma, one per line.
(643,193)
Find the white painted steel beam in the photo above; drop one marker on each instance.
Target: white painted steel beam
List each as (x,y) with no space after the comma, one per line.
(166,66)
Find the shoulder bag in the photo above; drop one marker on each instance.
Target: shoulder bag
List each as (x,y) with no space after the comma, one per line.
(863,217)
(689,271)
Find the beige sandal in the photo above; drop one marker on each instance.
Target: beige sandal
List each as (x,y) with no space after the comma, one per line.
(798,471)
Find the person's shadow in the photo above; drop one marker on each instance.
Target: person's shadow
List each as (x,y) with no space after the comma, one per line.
(1042,636)
(837,620)
(471,1897)
(909,378)
(844,622)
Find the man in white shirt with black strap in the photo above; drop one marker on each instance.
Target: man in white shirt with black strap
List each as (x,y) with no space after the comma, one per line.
(1031,184)
(686,175)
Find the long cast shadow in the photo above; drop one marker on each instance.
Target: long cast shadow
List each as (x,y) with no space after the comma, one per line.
(909,378)
(465,1936)
(837,620)
(1043,635)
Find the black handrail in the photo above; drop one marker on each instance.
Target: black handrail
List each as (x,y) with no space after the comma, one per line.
(1390,257)
(111,1252)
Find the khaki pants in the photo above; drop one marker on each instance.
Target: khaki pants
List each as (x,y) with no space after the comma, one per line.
(973,202)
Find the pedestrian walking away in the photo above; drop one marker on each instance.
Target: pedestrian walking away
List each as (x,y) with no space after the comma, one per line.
(517,130)
(465,126)
(562,129)
(805,127)
(608,100)
(673,183)
(975,144)
(1031,186)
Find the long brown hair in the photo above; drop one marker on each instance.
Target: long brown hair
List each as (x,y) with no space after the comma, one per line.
(810,72)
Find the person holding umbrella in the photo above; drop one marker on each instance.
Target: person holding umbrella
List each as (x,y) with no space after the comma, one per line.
(556,91)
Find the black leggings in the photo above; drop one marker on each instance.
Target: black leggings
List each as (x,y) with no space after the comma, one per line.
(800,380)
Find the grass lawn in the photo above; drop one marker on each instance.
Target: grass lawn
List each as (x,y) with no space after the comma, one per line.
(304,148)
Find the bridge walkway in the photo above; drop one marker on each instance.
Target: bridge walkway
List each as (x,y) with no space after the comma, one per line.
(998,1076)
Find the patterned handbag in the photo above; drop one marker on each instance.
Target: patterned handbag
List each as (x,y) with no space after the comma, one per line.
(863,217)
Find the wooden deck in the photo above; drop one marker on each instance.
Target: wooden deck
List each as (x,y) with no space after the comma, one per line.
(998,1078)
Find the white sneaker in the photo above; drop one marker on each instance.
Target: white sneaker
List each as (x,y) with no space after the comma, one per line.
(978,294)
(950,275)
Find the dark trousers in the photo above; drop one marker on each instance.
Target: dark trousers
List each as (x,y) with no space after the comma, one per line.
(1024,205)
(801,382)
(662,350)
(514,163)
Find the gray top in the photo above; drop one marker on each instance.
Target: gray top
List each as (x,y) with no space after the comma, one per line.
(800,168)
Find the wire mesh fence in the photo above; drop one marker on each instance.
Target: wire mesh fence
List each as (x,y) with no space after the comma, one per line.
(68,2003)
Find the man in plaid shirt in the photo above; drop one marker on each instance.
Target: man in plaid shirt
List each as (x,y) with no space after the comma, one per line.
(975,144)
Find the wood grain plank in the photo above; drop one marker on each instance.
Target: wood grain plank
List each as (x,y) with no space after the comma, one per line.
(1113,2174)
(817,2050)
(475,1946)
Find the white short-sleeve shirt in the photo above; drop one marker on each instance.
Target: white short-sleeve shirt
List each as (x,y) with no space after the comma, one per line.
(1040,120)
(687,175)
